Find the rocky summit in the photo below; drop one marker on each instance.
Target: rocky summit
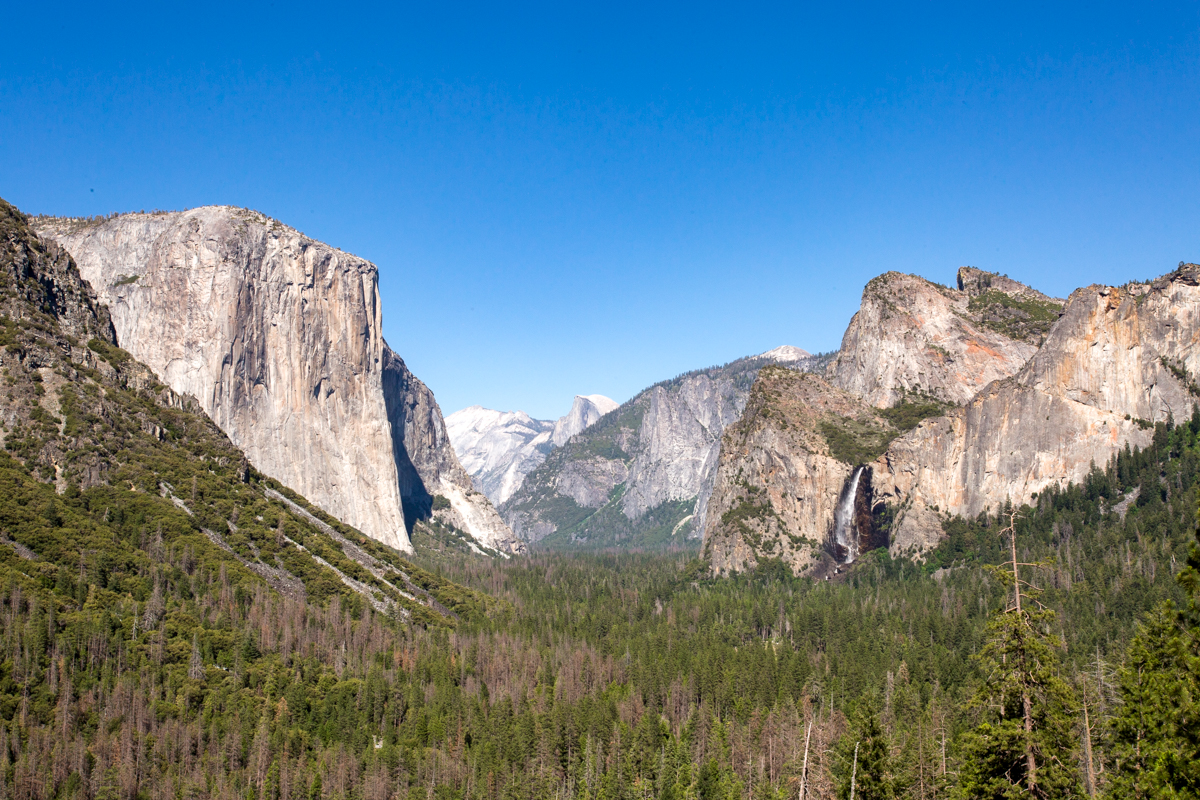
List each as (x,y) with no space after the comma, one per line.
(642,475)
(915,338)
(499,448)
(984,395)
(586,410)
(1118,361)
(278,337)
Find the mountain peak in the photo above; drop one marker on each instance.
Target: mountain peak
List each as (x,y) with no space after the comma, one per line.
(786,354)
(587,409)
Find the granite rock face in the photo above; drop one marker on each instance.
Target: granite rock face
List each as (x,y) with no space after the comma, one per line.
(278,337)
(427,466)
(679,440)
(499,448)
(1110,363)
(643,473)
(914,338)
(586,410)
(1119,359)
(779,481)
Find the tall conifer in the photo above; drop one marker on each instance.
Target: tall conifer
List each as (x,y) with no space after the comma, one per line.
(1023,746)
(1156,730)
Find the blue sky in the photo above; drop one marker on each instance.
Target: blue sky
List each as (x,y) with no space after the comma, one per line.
(580,198)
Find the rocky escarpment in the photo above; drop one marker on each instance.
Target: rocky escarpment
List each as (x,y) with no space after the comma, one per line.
(278,337)
(85,420)
(643,473)
(1115,361)
(586,410)
(1119,360)
(427,468)
(499,448)
(915,338)
(783,469)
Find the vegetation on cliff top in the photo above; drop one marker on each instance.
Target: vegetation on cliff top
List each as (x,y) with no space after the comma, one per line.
(1025,318)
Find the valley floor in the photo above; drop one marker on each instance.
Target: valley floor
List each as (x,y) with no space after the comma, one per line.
(605,675)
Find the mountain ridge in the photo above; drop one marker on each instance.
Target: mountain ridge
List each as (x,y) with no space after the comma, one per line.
(118,449)
(964,428)
(641,475)
(499,448)
(278,336)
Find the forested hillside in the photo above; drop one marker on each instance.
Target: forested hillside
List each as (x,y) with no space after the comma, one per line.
(177,626)
(152,583)
(634,676)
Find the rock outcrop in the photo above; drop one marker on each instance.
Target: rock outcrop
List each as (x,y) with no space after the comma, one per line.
(1111,363)
(643,473)
(81,413)
(781,474)
(278,337)
(1119,360)
(586,410)
(499,448)
(914,338)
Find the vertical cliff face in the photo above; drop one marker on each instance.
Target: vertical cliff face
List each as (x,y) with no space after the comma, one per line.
(784,467)
(427,466)
(586,410)
(914,337)
(1118,360)
(679,440)
(641,475)
(278,338)
(1111,362)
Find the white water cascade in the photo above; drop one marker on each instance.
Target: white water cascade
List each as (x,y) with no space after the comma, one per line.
(843,519)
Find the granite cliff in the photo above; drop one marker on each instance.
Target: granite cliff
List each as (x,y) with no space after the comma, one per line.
(782,474)
(278,337)
(586,410)
(642,474)
(144,478)
(914,338)
(1107,365)
(499,448)
(1119,360)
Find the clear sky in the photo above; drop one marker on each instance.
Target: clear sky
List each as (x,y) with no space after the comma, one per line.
(578,198)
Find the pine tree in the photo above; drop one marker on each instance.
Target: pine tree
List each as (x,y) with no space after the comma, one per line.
(1023,747)
(1156,729)
(870,775)
(1147,730)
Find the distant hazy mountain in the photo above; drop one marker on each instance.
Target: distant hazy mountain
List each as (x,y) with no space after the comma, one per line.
(641,476)
(787,354)
(586,410)
(499,448)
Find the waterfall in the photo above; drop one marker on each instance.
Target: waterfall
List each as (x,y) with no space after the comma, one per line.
(843,519)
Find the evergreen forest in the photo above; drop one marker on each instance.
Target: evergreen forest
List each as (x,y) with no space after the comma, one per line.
(175,625)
